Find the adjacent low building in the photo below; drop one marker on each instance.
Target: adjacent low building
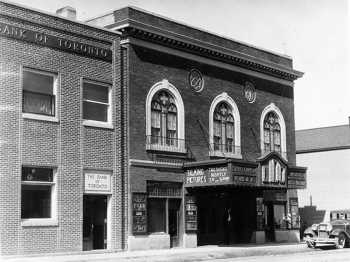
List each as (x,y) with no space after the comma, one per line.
(326,152)
(146,134)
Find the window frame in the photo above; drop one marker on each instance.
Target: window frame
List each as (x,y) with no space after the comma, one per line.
(37,116)
(95,123)
(180,145)
(225,98)
(52,220)
(282,139)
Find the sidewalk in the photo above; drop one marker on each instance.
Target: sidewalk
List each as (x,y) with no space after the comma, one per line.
(170,255)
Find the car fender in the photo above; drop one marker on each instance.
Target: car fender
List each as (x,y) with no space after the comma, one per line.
(338,231)
(309,232)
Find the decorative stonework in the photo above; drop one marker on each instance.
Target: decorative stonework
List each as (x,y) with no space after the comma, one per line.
(249,92)
(227,57)
(196,80)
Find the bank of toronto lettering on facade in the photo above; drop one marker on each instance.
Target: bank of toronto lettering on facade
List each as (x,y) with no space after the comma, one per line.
(141,137)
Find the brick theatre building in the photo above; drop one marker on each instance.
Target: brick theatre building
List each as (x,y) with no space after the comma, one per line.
(133,131)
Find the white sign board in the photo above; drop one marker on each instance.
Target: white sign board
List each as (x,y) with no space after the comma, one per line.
(97,183)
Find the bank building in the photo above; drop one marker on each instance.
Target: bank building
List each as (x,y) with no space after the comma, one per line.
(133,131)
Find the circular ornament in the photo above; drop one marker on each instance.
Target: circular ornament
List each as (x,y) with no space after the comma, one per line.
(196,80)
(249,92)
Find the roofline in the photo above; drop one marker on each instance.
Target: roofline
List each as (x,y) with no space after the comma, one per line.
(323,127)
(59,17)
(194,27)
(322,149)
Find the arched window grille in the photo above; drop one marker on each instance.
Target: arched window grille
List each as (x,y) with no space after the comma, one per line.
(163,119)
(223,128)
(272,133)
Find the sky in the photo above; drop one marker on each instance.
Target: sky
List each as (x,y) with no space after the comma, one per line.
(315,33)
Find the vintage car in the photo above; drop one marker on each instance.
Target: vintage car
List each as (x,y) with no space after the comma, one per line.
(335,233)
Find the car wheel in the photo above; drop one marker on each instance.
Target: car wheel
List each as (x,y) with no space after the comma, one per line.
(341,242)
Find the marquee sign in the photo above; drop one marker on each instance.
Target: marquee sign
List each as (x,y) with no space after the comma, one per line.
(208,176)
(228,174)
(296,179)
(244,175)
(55,42)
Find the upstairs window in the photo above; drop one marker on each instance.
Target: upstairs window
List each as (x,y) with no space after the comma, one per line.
(163,119)
(96,102)
(39,92)
(272,133)
(223,128)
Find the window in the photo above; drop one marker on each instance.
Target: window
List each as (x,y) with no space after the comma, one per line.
(96,103)
(273,172)
(39,93)
(37,192)
(156,215)
(279,211)
(224,127)
(165,119)
(272,133)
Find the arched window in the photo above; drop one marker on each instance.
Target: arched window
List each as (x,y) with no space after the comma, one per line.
(272,133)
(224,132)
(163,119)
(224,127)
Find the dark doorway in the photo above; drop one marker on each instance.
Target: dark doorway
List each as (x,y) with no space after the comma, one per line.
(226,218)
(174,219)
(270,222)
(94,222)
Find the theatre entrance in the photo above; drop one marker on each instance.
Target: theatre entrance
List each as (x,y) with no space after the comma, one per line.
(94,222)
(226,216)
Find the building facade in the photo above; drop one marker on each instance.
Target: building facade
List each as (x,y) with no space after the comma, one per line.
(146,134)
(210,136)
(326,152)
(55,150)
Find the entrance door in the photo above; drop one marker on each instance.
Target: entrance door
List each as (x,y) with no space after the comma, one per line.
(94,222)
(174,218)
(270,222)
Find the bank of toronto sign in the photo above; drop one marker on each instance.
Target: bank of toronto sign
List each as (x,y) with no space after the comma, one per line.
(97,183)
(55,42)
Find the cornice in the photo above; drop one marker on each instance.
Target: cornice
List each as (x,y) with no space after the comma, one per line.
(159,36)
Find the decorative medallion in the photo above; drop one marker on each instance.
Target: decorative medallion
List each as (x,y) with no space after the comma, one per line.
(196,80)
(249,92)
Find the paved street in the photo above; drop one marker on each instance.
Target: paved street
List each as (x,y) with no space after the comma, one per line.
(313,256)
(245,253)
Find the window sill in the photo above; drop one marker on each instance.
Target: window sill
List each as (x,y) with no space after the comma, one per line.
(40,117)
(161,148)
(39,222)
(93,123)
(223,154)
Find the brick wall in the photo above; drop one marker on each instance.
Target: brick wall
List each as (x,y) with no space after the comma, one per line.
(66,145)
(149,67)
